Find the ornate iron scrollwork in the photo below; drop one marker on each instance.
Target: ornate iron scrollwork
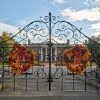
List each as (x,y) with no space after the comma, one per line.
(43,31)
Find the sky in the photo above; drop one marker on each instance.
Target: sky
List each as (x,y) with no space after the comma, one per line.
(83,14)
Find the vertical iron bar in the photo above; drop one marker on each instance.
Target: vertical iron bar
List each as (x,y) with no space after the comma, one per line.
(62,82)
(3,72)
(73,81)
(96,76)
(91,66)
(14,82)
(49,51)
(39,56)
(37,80)
(33,58)
(38,67)
(43,62)
(26,81)
(62,64)
(57,58)
(85,80)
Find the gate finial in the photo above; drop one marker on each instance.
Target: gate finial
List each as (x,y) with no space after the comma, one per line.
(50,13)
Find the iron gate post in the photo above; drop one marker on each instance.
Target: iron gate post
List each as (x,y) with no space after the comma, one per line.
(49,56)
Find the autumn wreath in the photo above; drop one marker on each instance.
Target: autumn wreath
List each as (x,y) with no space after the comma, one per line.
(21,59)
(80,54)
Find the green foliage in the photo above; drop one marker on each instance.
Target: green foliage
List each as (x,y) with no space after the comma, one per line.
(95,49)
(6,44)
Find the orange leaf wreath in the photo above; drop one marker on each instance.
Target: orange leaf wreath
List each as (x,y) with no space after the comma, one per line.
(81,56)
(21,59)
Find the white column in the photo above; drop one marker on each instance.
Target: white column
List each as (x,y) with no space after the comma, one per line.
(55,53)
(46,53)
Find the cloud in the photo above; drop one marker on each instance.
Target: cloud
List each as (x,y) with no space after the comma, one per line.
(8,28)
(92,14)
(24,21)
(3,19)
(96,27)
(54,2)
(92,2)
(96,33)
(58,1)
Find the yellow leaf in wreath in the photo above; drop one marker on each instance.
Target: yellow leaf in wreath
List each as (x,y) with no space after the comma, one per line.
(88,63)
(35,62)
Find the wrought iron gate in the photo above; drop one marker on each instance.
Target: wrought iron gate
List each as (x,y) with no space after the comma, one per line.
(49,36)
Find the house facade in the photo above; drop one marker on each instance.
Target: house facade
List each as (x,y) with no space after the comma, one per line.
(43,49)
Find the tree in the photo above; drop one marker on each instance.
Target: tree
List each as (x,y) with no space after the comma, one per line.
(95,48)
(6,44)
(6,40)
